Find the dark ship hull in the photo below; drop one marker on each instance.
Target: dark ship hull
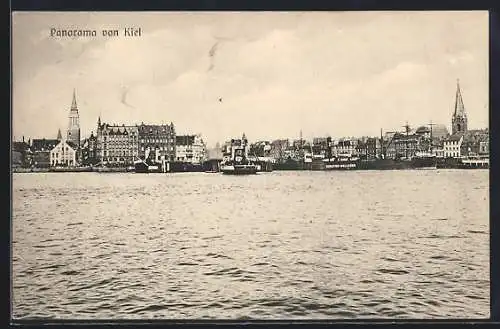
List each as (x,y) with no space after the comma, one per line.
(384,164)
(425,162)
(141,167)
(249,169)
(289,165)
(185,167)
(341,164)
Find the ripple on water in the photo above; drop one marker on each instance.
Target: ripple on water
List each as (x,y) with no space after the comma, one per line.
(209,246)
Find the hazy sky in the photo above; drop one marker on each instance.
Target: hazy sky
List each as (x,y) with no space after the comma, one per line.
(266,74)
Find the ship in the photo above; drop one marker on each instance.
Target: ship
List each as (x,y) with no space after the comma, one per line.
(150,164)
(424,160)
(384,164)
(342,162)
(144,167)
(474,162)
(236,161)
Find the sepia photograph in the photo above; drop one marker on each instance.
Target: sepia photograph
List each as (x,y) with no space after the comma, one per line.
(250,165)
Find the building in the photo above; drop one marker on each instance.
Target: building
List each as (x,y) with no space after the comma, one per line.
(190,149)
(41,151)
(88,150)
(475,142)
(459,118)
(21,154)
(278,149)
(64,154)
(73,133)
(344,147)
(368,148)
(116,145)
(452,146)
(157,142)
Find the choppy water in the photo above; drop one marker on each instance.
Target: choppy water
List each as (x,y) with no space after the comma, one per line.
(281,245)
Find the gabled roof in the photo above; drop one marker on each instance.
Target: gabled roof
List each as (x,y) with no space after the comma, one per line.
(454,138)
(43,144)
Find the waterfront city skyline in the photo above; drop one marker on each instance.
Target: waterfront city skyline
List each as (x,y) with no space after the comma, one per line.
(269,75)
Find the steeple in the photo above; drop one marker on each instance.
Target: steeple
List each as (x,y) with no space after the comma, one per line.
(459,118)
(459,103)
(59,135)
(73,103)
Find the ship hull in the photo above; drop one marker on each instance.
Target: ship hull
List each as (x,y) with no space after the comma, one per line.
(424,163)
(239,170)
(144,168)
(384,164)
(341,164)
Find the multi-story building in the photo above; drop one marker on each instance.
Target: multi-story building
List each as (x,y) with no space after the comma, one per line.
(190,149)
(157,142)
(453,146)
(63,154)
(278,149)
(116,145)
(368,148)
(41,151)
(344,147)
(73,132)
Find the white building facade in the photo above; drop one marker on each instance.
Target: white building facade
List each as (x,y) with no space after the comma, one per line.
(63,154)
(452,146)
(190,149)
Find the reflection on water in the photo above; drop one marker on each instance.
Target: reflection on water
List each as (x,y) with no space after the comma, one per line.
(305,245)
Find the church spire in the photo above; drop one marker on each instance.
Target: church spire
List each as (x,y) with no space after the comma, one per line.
(59,135)
(73,103)
(459,118)
(459,103)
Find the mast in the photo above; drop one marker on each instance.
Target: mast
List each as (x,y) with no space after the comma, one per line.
(381,143)
(431,124)
(407,128)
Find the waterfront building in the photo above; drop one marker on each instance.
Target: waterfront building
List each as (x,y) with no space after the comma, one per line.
(41,151)
(453,146)
(368,148)
(278,149)
(190,149)
(64,154)
(344,147)
(89,150)
(475,142)
(116,145)
(260,149)
(157,142)
(73,132)
(21,155)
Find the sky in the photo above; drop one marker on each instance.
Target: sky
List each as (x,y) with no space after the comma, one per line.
(267,74)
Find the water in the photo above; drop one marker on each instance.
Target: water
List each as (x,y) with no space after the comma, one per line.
(281,245)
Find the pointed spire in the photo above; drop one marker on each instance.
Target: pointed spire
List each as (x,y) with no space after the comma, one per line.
(59,135)
(99,121)
(73,103)
(459,103)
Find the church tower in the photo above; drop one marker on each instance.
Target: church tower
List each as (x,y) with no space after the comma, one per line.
(74,123)
(459,119)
